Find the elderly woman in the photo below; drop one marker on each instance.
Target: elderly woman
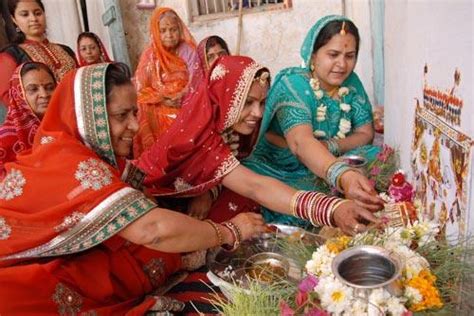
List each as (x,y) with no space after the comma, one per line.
(168,69)
(314,114)
(194,155)
(31,88)
(31,44)
(75,237)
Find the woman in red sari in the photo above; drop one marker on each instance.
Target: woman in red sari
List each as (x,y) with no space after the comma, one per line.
(194,155)
(31,87)
(75,237)
(91,50)
(31,44)
(168,69)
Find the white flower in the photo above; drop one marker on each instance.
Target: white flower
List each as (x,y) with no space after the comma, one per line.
(314,83)
(358,308)
(413,295)
(395,307)
(343,91)
(335,297)
(345,107)
(340,135)
(321,113)
(320,263)
(318,133)
(344,126)
(319,94)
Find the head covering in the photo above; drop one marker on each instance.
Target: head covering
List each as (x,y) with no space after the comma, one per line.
(308,44)
(66,195)
(192,156)
(104,57)
(202,50)
(161,75)
(21,123)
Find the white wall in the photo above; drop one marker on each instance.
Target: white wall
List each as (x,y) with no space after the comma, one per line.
(439,33)
(274,38)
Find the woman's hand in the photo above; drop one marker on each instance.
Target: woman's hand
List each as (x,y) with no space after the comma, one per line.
(199,206)
(358,188)
(250,224)
(353,219)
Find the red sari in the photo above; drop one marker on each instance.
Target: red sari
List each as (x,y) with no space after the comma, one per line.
(192,156)
(21,123)
(59,58)
(162,75)
(62,206)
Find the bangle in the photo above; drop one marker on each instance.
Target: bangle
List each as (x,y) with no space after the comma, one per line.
(234,229)
(318,208)
(293,202)
(334,171)
(333,147)
(220,239)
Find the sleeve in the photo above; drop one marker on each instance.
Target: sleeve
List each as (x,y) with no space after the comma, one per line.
(360,104)
(9,65)
(291,107)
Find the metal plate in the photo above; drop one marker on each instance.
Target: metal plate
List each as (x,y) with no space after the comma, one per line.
(229,267)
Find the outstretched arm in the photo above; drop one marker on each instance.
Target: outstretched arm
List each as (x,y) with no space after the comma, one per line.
(277,196)
(173,232)
(313,154)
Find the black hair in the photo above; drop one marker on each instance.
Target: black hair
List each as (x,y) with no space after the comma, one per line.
(13,35)
(117,74)
(214,40)
(34,65)
(90,35)
(333,28)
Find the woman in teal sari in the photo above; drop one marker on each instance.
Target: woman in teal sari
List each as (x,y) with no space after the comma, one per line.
(315,113)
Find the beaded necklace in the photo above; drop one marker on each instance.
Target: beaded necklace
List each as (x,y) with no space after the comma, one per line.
(321,115)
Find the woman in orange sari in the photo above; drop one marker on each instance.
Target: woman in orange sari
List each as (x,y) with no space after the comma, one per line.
(75,237)
(168,69)
(31,87)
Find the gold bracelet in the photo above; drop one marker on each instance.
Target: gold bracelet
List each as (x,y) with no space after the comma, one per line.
(338,181)
(220,239)
(293,202)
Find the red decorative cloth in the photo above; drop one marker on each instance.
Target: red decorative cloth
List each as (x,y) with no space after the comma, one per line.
(20,126)
(192,156)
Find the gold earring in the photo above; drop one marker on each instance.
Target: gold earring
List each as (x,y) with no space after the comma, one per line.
(311,67)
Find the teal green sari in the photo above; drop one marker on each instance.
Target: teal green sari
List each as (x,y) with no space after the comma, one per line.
(292,102)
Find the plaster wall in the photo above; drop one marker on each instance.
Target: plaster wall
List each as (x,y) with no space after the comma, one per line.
(438,33)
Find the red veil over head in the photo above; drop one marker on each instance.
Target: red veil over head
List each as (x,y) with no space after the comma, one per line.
(104,57)
(66,195)
(20,126)
(192,156)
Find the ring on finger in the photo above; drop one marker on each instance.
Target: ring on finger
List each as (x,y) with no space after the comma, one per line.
(356,228)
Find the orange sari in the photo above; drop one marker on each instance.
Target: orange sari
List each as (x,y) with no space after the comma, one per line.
(162,74)
(61,207)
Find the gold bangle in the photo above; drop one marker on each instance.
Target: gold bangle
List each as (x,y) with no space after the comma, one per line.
(293,200)
(338,181)
(220,239)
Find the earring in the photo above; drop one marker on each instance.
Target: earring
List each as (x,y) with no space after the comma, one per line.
(311,67)
(17,29)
